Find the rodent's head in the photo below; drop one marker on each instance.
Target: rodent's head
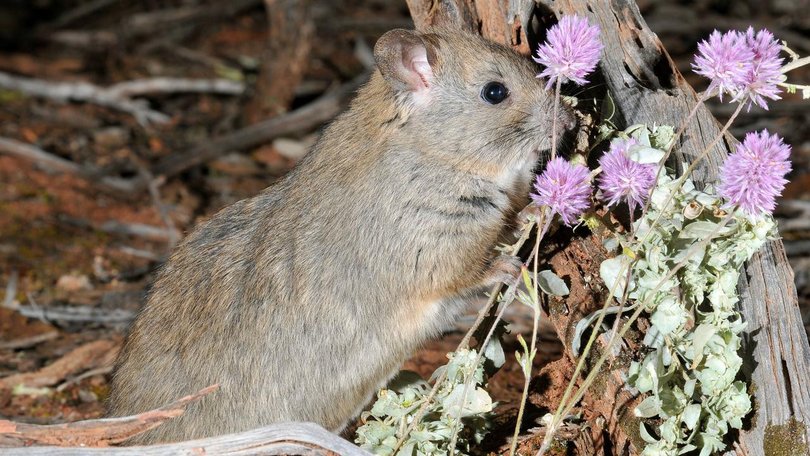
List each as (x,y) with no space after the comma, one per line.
(466,100)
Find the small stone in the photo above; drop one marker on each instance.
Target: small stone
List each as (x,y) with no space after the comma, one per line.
(111,137)
(73,283)
(235,165)
(290,148)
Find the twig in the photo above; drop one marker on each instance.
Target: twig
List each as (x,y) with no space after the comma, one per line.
(139,87)
(278,439)
(54,163)
(84,92)
(90,373)
(80,12)
(141,253)
(99,432)
(25,342)
(118,96)
(154,192)
(304,118)
(139,230)
(11,290)
(90,355)
(78,314)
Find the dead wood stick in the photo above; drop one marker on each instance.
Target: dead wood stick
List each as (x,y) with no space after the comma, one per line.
(87,356)
(277,439)
(11,289)
(54,163)
(25,342)
(91,373)
(73,15)
(302,119)
(284,60)
(118,96)
(84,92)
(138,87)
(44,159)
(100,432)
(77,314)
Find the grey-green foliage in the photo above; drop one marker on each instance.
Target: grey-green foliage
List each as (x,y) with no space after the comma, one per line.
(394,411)
(694,338)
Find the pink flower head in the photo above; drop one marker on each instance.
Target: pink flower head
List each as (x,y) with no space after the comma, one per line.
(565,188)
(624,179)
(754,175)
(764,71)
(725,59)
(571,51)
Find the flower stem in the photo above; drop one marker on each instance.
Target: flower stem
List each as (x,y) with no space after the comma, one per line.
(536,309)
(796,64)
(554,118)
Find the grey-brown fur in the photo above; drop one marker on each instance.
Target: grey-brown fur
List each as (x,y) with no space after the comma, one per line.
(303,300)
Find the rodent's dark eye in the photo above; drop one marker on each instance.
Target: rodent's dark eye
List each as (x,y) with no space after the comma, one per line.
(494,92)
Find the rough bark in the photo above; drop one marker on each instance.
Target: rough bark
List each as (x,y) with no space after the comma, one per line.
(285,60)
(279,439)
(647,88)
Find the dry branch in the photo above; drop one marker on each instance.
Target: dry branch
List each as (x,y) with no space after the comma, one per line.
(88,356)
(118,96)
(88,433)
(54,163)
(26,342)
(77,314)
(284,61)
(302,119)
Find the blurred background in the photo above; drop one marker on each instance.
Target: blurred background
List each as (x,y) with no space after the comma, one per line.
(123,123)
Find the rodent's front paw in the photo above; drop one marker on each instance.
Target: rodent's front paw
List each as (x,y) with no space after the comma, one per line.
(530,212)
(504,269)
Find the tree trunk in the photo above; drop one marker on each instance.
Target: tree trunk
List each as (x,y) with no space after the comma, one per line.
(647,88)
(290,33)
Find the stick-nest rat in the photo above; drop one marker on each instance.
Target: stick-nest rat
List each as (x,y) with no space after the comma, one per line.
(302,301)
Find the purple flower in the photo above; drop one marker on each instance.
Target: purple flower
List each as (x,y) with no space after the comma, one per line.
(624,179)
(754,175)
(764,70)
(565,188)
(725,59)
(571,51)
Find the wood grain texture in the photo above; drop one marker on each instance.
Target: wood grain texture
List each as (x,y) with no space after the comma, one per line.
(503,21)
(278,439)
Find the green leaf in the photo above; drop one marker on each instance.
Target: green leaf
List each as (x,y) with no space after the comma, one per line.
(646,155)
(702,334)
(585,323)
(648,408)
(551,284)
(691,414)
(613,272)
(494,352)
(476,402)
(645,434)
(702,229)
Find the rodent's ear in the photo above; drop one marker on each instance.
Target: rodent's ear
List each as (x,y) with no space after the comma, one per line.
(405,60)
